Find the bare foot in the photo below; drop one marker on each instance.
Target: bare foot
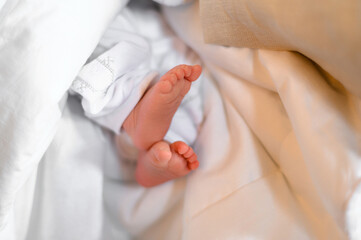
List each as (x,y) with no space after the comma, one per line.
(150,119)
(163,162)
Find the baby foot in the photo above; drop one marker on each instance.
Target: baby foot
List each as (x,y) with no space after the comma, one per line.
(164,162)
(150,119)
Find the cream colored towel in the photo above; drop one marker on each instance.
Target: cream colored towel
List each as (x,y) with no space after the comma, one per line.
(328,32)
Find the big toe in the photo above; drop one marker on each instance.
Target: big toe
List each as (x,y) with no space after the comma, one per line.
(162,152)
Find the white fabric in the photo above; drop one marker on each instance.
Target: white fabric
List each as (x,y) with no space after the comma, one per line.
(136,48)
(43,44)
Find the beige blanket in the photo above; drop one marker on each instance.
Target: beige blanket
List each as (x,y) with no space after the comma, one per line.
(328,32)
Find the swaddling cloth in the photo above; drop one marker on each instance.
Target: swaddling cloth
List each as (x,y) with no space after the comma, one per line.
(134,51)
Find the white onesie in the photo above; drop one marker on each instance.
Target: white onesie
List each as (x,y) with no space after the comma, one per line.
(135,50)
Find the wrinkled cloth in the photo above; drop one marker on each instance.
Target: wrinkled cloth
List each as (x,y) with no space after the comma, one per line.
(292,154)
(43,44)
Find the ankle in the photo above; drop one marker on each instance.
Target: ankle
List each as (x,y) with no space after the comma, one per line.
(129,126)
(135,134)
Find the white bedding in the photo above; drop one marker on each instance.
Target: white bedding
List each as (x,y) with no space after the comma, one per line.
(279,148)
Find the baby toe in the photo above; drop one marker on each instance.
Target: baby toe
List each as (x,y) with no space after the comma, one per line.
(173,78)
(192,158)
(196,72)
(170,77)
(189,153)
(180,147)
(187,70)
(179,72)
(193,165)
